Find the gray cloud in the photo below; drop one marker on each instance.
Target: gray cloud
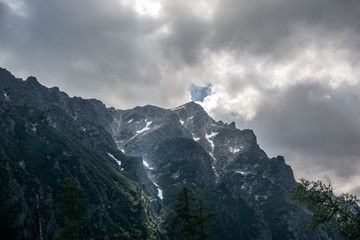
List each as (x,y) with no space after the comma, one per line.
(188,33)
(314,117)
(266,27)
(316,127)
(93,47)
(3,11)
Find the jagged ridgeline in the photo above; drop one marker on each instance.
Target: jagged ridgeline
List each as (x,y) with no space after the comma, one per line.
(129,165)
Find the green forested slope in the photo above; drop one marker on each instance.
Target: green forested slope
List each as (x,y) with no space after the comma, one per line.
(35,159)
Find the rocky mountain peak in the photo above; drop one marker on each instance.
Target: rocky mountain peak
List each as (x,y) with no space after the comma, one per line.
(32,81)
(190,110)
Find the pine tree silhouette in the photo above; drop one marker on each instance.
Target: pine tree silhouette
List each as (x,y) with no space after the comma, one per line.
(71,211)
(190,220)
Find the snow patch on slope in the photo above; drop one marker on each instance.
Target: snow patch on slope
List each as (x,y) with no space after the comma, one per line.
(209,136)
(234,150)
(241,172)
(213,167)
(118,161)
(147,165)
(195,138)
(160,192)
(146,128)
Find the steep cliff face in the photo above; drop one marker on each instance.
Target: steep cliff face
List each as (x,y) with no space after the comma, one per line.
(130,164)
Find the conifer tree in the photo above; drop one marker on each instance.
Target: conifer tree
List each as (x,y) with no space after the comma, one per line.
(71,210)
(184,218)
(190,220)
(201,221)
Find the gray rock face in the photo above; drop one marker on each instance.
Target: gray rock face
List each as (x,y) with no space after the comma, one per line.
(86,120)
(185,146)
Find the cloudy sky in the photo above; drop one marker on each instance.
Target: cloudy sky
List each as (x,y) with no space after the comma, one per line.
(288,69)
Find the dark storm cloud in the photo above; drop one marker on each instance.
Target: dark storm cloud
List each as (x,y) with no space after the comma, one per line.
(188,33)
(317,127)
(266,27)
(314,117)
(2,13)
(83,45)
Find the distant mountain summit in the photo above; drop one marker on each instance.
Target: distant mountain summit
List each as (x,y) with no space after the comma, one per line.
(130,164)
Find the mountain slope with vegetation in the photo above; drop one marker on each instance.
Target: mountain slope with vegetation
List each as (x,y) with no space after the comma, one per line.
(129,166)
(36,156)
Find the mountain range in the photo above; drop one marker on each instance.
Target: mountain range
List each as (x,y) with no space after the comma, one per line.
(130,165)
